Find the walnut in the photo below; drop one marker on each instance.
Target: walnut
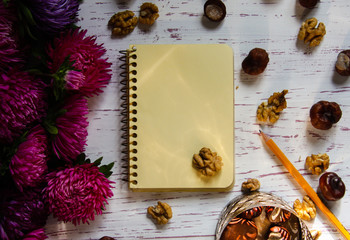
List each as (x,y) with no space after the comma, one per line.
(161,212)
(269,112)
(123,23)
(315,234)
(251,185)
(207,162)
(317,164)
(148,13)
(305,210)
(311,34)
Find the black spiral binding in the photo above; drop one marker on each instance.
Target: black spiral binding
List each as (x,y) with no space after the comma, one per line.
(129,112)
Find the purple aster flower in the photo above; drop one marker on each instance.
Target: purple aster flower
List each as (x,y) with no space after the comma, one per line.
(70,140)
(9,43)
(86,56)
(53,16)
(76,194)
(38,234)
(29,164)
(22,215)
(74,80)
(22,102)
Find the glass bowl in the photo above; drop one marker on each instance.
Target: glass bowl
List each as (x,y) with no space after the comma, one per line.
(253,200)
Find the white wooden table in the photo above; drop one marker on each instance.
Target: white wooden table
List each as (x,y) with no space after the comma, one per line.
(308,75)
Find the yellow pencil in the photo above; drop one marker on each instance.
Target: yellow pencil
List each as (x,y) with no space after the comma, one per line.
(304,184)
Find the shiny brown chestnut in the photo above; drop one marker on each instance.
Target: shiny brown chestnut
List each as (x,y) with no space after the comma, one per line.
(106,238)
(324,114)
(342,66)
(256,61)
(308,3)
(215,10)
(332,187)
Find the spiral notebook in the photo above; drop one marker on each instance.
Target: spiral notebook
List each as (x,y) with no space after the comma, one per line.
(178,99)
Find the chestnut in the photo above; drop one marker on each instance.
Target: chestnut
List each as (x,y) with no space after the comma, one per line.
(324,114)
(215,10)
(256,61)
(308,3)
(342,66)
(332,187)
(106,238)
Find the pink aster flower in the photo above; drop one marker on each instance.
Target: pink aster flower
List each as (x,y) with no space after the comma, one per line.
(86,56)
(22,102)
(38,234)
(9,43)
(70,140)
(21,215)
(29,164)
(76,194)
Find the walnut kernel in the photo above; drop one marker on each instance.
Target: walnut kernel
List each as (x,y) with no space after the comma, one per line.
(123,23)
(311,34)
(148,13)
(207,162)
(269,112)
(317,163)
(251,185)
(161,212)
(305,210)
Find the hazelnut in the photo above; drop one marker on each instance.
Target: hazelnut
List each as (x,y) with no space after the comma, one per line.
(308,3)
(256,61)
(324,114)
(215,10)
(342,66)
(332,187)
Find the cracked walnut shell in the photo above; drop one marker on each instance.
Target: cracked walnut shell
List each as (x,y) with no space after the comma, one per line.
(161,212)
(269,112)
(306,210)
(208,163)
(317,163)
(123,23)
(251,185)
(148,13)
(311,34)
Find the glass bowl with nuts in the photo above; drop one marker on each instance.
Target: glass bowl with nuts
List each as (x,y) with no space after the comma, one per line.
(260,215)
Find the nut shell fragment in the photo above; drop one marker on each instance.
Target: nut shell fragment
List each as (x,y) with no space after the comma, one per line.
(161,212)
(208,163)
(342,66)
(215,10)
(148,13)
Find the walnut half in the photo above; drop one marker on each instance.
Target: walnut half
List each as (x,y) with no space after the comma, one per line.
(311,34)
(251,185)
(207,162)
(148,13)
(161,212)
(306,210)
(123,23)
(269,112)
(317,164)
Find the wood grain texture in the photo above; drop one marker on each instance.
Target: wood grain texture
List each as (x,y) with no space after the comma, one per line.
(307,73)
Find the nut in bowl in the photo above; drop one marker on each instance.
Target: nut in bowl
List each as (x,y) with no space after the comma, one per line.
(233,224)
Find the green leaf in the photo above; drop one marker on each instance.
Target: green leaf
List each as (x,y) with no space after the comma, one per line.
(97,162)
(106,169)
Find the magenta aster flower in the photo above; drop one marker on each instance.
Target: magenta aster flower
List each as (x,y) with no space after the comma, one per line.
(22,215)
(86,56)
(9,46)
(22,102)
(74,80)
(53,16)
(70,140)
(78,193)
(38,234)
(29,164)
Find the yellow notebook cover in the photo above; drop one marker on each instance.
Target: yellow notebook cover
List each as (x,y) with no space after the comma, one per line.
(181,99)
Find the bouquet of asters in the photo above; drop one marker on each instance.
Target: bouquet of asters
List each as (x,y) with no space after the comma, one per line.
(43,118)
